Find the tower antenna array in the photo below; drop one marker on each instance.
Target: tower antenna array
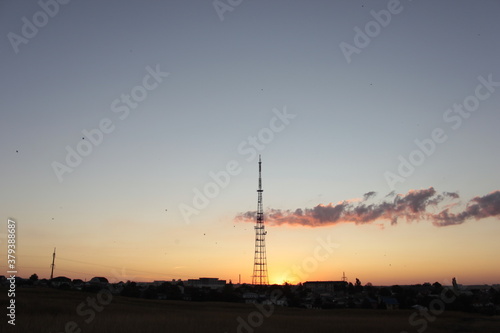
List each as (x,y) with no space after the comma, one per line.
(259,276)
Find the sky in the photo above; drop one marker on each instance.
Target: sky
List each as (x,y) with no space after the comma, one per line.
(130,134)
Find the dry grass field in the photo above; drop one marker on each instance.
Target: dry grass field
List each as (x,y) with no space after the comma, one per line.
(48,310)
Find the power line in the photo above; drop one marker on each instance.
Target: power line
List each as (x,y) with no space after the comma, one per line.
(114,267)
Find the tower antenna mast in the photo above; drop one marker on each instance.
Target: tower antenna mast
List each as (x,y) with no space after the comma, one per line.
(259,276)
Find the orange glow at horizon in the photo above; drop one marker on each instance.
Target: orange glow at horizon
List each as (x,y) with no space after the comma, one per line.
(409,253)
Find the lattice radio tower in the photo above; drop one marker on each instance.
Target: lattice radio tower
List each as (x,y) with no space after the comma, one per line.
(259,276)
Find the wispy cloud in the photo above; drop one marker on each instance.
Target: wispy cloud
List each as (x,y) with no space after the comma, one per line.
(416,205)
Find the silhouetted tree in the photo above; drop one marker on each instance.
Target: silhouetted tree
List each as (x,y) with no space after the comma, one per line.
(301,291)
(463,302)
(358,287)
(228,294)
(495,296)
(369,288)
(34,278)
(385,292)
(174,292)
(350,288)
(437,288)
(397,289)
(151,293)
(171,290)
(287,289)
(131,290)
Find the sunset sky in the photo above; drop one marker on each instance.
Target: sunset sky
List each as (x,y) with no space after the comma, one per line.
(130,134)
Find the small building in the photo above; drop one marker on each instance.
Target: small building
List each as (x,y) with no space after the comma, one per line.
(322,287)
(158,283)
(204,282)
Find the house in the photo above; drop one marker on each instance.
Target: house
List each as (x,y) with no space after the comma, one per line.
(390,303)
(251,298)
(282,302)
(42,282)
(61,282)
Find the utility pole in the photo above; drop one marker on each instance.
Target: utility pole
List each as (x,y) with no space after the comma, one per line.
(53,261)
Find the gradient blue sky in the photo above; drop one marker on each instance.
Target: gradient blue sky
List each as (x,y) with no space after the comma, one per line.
(352,122)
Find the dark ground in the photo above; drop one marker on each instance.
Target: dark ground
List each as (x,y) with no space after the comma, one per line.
(50,310)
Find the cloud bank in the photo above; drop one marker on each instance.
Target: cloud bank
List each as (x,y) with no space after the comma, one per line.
(416,205)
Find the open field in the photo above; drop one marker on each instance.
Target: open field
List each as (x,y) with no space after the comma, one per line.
(49,310)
